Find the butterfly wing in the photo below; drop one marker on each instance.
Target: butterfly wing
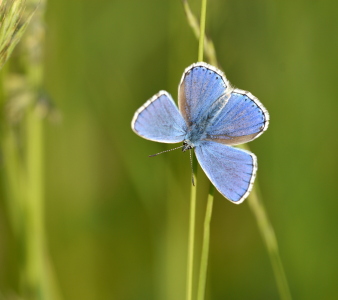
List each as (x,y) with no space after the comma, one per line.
(201,85)
(159,120)
(231,170)
(241,120)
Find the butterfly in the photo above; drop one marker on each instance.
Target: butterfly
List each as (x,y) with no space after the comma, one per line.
(212,116)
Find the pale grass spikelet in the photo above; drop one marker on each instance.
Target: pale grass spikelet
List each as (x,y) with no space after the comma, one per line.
(20,89)
(13,22)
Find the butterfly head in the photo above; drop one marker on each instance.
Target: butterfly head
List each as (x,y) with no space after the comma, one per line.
(187,146)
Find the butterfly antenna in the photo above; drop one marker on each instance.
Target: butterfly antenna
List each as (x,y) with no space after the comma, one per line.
(166,151)
(192,169)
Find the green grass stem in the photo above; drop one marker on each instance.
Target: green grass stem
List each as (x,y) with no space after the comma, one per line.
(202,30)
(23,143)
(205,246)
(191,238)
(191,242)
(206,233)
(270,241)
(34,225)
(39,280)
(209,48)
(269,237)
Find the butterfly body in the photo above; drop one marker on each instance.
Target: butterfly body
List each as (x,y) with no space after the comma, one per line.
(212,116)
(198,131)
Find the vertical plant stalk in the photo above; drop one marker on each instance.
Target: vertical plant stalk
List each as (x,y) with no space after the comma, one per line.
(34,277)
(34,206)
(209,48)
(269,237)
(205,246)
(23,160)
(38,278)
(270,241)
(254,199)
(206,233)
(191,239)
(202,30)
(190,267)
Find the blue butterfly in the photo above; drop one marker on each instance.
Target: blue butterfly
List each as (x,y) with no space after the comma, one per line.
(212,117)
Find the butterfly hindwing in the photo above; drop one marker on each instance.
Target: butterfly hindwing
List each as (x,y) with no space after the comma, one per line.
(231,170)
(200,86)
(241,120)
(159,120)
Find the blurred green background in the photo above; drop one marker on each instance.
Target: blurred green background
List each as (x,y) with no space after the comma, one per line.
(116,220)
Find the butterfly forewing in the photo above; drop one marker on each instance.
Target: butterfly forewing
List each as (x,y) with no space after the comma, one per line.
(159,120)
(200,86)
(241,120)
(232,171)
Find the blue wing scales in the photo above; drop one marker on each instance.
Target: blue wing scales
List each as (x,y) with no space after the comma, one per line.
(241,120)
(231,170)
(159,120)
(201,85)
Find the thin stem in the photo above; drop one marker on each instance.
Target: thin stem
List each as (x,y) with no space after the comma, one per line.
(202,30)
(190,268)
(270,241)
(38,276)
(209,48)
(268,234)
(34,276)
(34,205)
(205,246)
